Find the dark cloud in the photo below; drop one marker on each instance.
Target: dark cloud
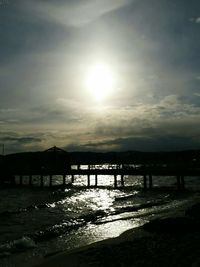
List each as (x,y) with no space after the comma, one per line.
(20,140)
(159,143)
(15,142)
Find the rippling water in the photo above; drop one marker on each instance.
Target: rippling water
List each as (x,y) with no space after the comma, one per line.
(35,222)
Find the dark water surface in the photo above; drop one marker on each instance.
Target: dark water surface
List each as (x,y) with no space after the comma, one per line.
(37,222)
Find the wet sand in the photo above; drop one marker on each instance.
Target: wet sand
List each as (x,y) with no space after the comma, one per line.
(170,241)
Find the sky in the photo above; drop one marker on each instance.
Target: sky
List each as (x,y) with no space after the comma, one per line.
(141,58)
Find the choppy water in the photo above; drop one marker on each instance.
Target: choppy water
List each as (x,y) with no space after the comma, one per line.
(36,222)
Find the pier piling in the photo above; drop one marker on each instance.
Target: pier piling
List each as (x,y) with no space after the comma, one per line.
(122,180)
(30,180)
(50,180)
(178,182)
(145,182)
(182,182)
(96,180)
(21,180)
(41,180)
(64,179)
(88,180)
(150,182)
(115,181)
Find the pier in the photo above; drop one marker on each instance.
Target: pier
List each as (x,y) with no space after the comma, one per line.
(54,161)
(146,174)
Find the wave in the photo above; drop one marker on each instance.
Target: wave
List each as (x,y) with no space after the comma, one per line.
(96,217)
(15,246)
(66,226)
(56,230)
(27,209)
(138,207)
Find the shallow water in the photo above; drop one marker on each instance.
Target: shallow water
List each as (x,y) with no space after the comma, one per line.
(35,222)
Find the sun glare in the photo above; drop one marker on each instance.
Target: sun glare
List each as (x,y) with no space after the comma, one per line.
(100,81)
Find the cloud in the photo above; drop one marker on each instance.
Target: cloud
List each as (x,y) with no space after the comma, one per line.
(73,13)
(158,143)
(20,145)
(195,20)
(20,140)
(170,117)
(171,124)
(8,116)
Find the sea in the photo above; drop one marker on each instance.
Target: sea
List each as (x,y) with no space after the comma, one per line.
(38,222)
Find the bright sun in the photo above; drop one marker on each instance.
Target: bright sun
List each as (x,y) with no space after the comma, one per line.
(100,81)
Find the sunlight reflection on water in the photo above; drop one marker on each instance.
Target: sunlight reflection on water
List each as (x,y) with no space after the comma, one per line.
(90,200)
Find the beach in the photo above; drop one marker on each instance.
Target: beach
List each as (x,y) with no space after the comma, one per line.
(171,240)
